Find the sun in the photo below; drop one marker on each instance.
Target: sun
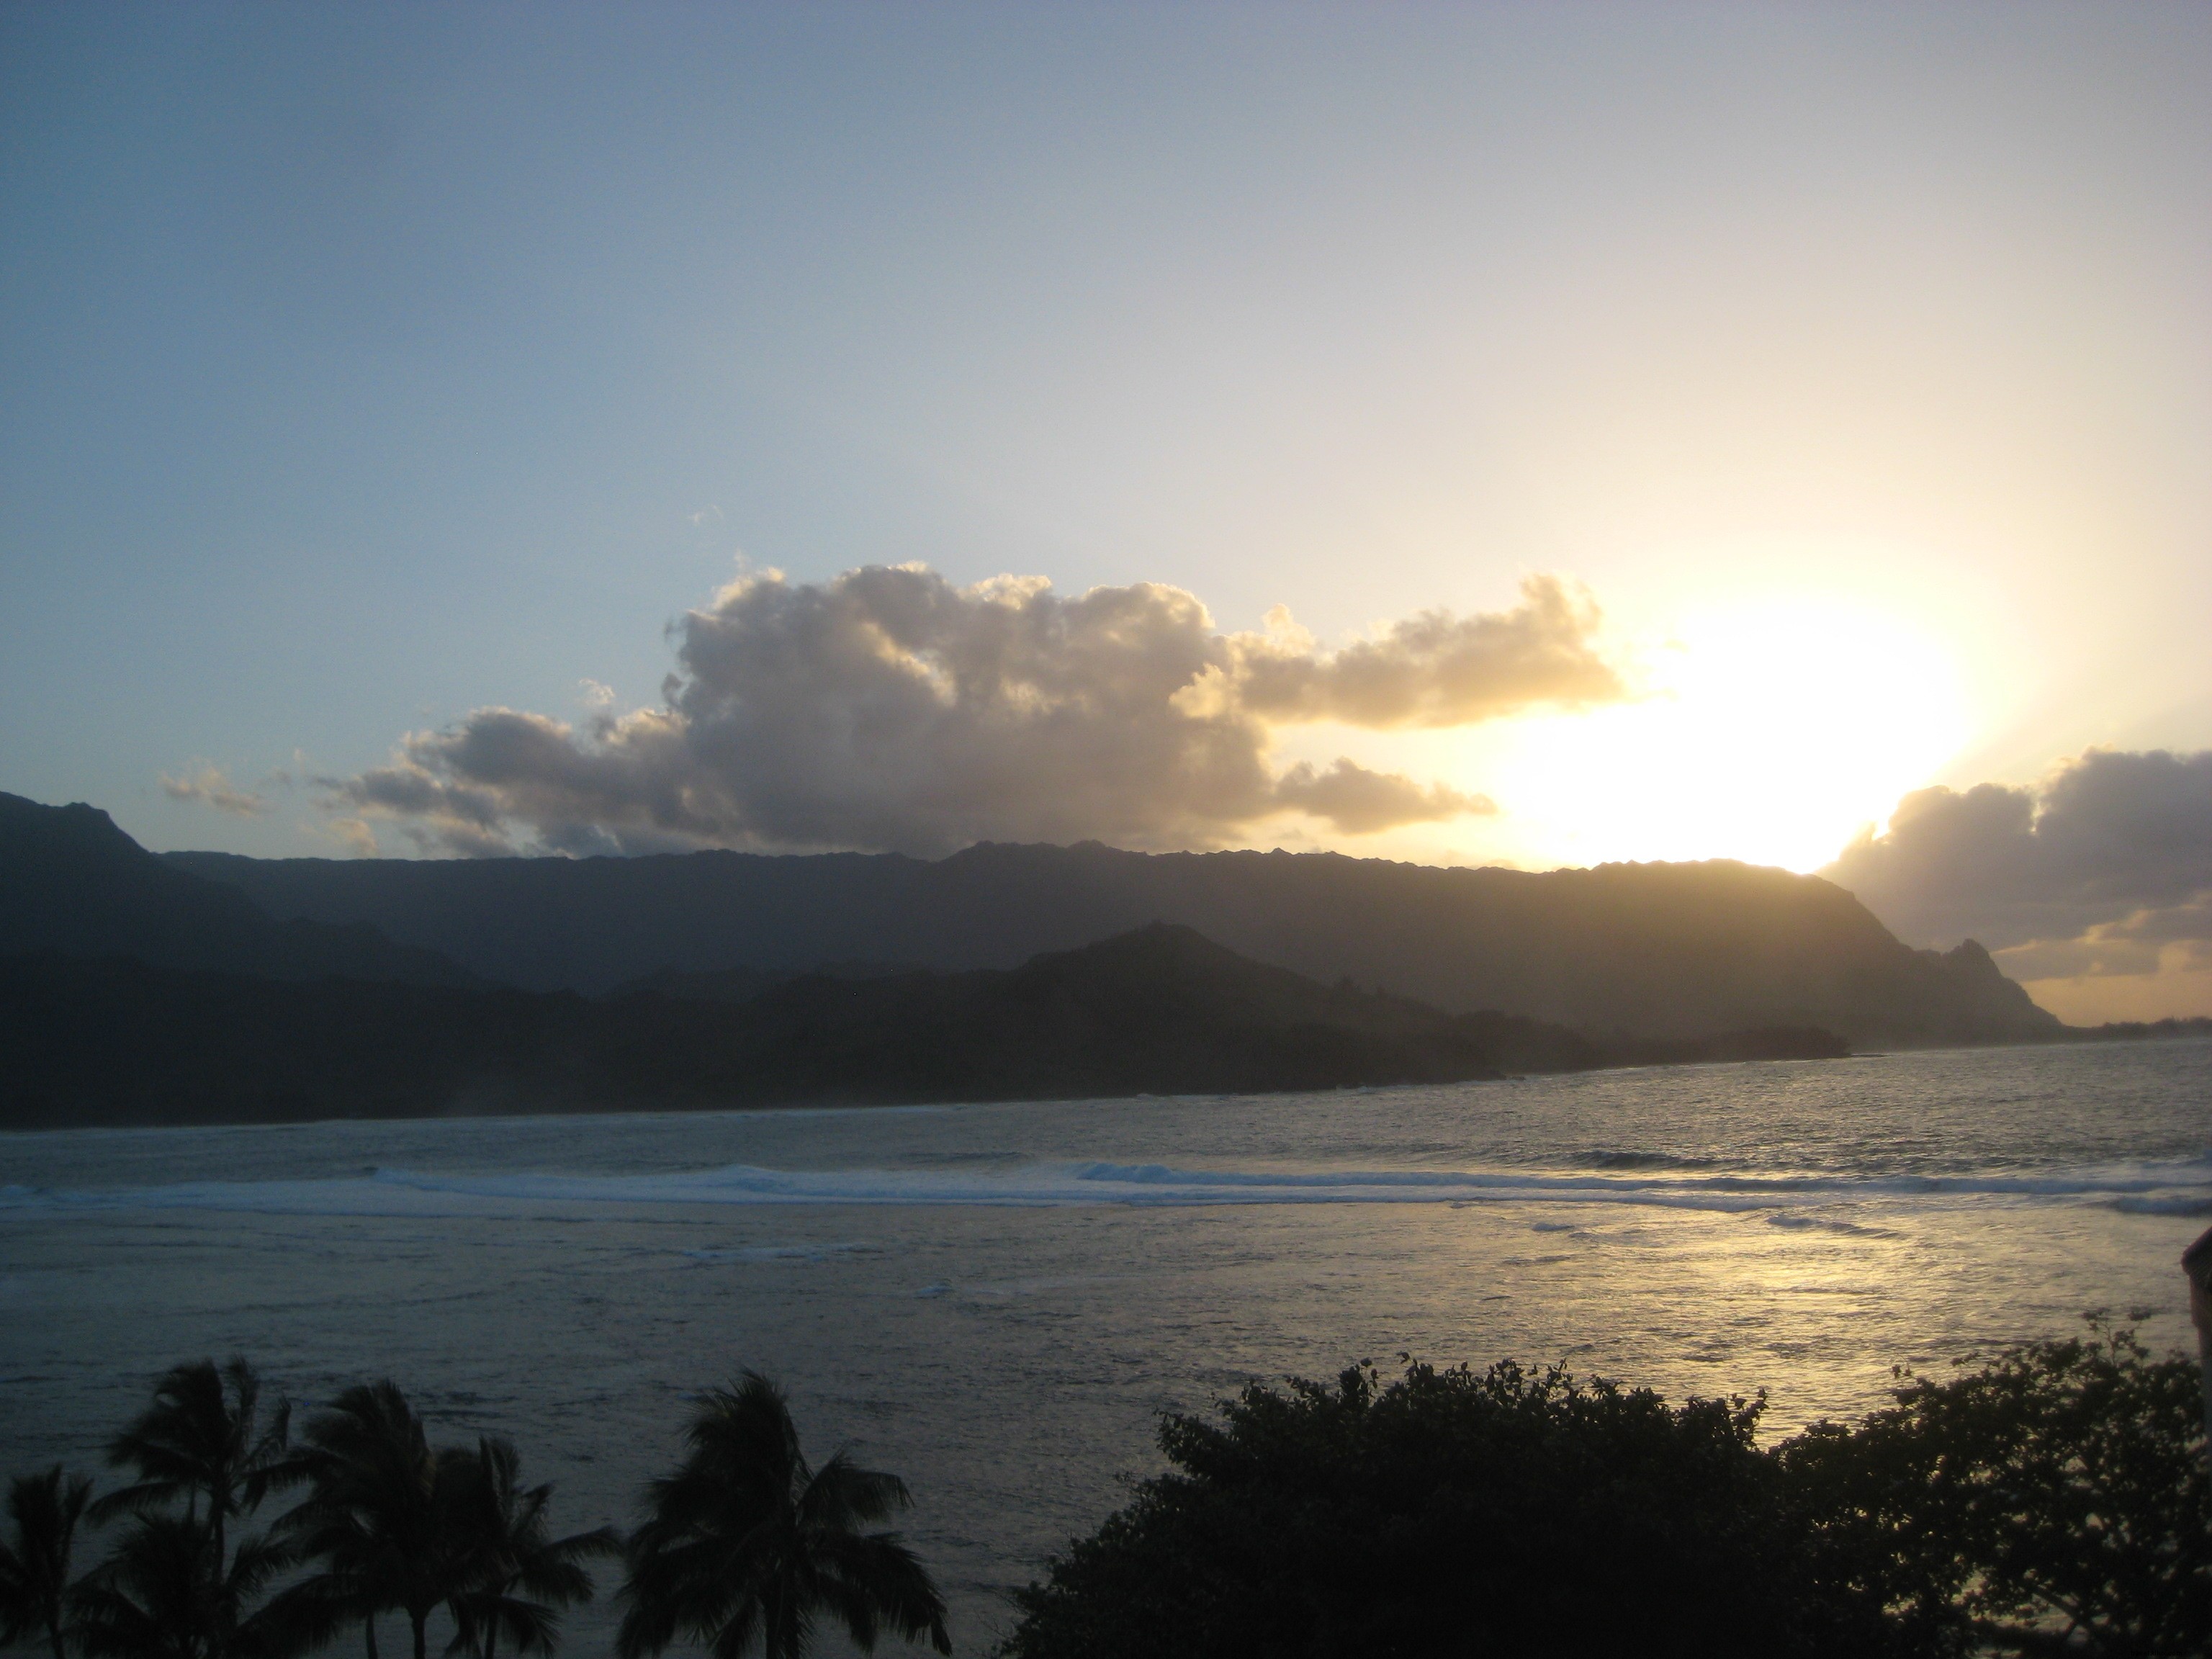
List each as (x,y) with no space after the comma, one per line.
(1769,730)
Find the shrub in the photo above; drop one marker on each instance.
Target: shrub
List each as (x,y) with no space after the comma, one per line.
(2051,1499)
(1451,1512)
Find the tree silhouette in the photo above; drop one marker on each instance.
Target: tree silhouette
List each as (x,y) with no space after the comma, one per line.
(1454,1512)
(203,1440)
(517,1578)
(177,1583)
(383,1514)
(162,1593)
(2050,1497)
(35,1567)
(745,1544)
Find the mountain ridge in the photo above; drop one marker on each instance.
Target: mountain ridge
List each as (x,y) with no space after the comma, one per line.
(72,881)
(1161,1010)
(1657,950)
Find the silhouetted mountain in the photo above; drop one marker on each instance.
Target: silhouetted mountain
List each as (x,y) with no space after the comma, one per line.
(1662,950)
(2139,1030)
(71,881)
(1162,1010)
(743,984)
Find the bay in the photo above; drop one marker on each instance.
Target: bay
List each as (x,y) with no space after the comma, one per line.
(997,1302)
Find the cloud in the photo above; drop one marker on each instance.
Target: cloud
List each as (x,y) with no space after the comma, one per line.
(887,708)
(1359,802)
(210,788)
(353,834)
(1433,669)
(2145,941)
(2104,869)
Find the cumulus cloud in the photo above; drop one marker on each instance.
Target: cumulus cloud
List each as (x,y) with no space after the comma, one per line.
(1433,669)
(209,787)
(887,708)
(1359,802)
(2146,941)
(353,835)
(2103,869)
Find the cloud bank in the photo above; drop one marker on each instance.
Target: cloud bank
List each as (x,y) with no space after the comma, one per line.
(889,709)
(2104,870)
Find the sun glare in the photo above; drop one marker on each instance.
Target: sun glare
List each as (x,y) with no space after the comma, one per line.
(1769,732)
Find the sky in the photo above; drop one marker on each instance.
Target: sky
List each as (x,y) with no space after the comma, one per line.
(1529,434)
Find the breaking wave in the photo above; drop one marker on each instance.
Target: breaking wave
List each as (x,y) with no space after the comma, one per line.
(2175,1187)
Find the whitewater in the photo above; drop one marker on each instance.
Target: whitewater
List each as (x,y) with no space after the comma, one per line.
(997,1301)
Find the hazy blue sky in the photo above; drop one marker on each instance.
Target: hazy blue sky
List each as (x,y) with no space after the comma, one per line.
(360,367)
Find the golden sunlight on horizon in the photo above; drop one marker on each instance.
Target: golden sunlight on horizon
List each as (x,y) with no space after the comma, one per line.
(1771,731)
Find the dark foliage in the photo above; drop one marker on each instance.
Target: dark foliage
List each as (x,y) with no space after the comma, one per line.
(386,1518)
(163,1593)
(43,1511)
(183,1581)
(745,1545)
(388,1523)
(1452,1512)
(205,1444)
(2050,1500)
(516,1576)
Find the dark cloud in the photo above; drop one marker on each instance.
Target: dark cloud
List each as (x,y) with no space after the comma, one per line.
(888,708)
(2098,871)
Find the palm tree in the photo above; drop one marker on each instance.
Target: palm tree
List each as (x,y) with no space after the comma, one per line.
(347,1588)
(34,1569)
(148,1599)
(176,1584)
(384,1514)
(154,1597)
(744,1543)
(517,1576)
(203,1439)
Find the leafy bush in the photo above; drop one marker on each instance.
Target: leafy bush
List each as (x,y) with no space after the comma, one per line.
(2051,1499)
(1452,1512)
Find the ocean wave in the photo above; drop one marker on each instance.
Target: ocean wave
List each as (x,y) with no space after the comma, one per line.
(2182,1187)
(1604,1159)
(1827,1225)
(2165,1203)
(758,1253)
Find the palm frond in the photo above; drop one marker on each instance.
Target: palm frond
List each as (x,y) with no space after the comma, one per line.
(46,1510)
(204,1436)
(744,1543)
(879,1571)
(843,1495)
(150,1596)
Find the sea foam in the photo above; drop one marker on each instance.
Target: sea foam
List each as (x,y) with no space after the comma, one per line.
(2173,1187)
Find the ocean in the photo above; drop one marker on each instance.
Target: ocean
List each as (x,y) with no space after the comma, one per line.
(997,1302)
